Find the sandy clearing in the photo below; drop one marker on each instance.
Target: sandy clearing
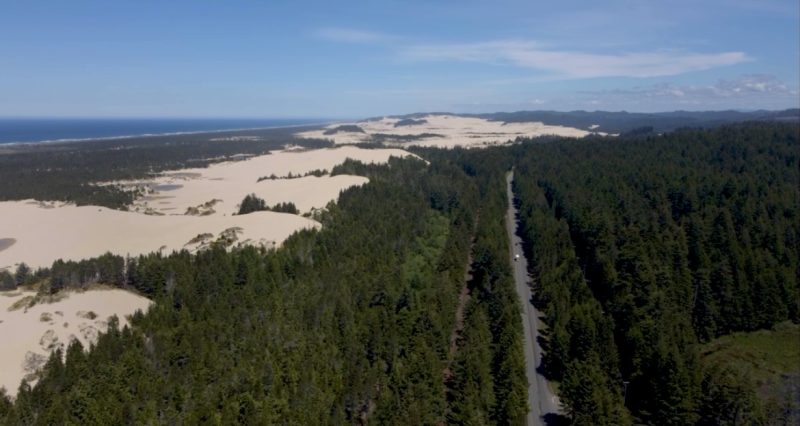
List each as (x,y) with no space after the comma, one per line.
(29,335)
(452,131)
(230,182)
(326,189)
(70,232)
(306,193)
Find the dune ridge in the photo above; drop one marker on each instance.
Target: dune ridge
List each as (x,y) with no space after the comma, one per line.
(438,130)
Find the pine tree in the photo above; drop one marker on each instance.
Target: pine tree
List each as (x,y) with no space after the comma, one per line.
(588,397)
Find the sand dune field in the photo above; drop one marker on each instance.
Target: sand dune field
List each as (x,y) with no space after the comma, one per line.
(444,131)
(229,182)
(182,206)
(69,232)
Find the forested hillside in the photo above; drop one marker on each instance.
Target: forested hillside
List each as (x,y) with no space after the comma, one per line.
(644,247)
(345,325)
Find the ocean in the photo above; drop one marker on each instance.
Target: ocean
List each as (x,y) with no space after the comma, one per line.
(28,130)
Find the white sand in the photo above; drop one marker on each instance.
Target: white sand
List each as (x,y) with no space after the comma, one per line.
(230,182)
(46,234)
(29,335)
(454,130)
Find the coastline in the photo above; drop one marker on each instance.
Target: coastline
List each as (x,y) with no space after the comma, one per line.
(151,135)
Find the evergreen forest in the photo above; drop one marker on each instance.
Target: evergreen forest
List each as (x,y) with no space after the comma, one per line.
(645,250)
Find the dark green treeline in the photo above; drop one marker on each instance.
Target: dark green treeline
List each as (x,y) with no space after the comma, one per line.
(644,247)
(489,385)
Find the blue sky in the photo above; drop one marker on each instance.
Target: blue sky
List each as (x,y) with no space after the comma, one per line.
(206,58)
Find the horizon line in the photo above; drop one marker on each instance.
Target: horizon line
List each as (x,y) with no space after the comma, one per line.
(212,117)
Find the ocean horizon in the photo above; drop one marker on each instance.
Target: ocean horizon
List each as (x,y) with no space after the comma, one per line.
(33,130)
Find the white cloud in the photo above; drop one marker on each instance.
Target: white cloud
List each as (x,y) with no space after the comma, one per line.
(744,86)
(752,84)
(574,64)
(349,35)
(746,92)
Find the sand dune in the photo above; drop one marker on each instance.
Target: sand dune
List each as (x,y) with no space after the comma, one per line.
(30,334)
(229,182)
(445,131)
(70,232)
(39,233)
(306,193)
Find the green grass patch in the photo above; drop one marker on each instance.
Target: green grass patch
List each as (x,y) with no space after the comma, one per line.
(769,359)
(762,355)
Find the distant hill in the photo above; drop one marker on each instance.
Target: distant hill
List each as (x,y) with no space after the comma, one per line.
(624,122)
(621,122)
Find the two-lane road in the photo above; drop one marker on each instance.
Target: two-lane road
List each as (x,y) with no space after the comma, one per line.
(541,399)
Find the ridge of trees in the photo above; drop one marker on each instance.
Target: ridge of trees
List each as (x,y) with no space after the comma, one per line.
(315,173)
(252,203)
(410,122)
(344,128)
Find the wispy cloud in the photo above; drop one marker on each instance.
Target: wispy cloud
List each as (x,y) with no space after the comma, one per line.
(350,35)
(744,86)
(573,64)
(753,84)
(551,61)
(746,92)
